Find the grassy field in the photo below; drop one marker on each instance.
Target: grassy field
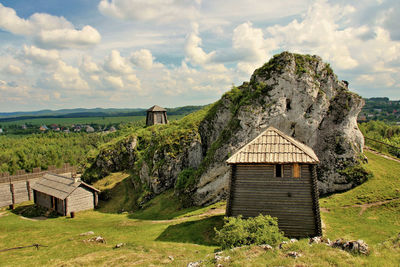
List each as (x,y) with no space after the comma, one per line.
(83,120)
(370,212)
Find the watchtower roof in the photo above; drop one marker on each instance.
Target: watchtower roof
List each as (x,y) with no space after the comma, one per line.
(274,147)
(156,108)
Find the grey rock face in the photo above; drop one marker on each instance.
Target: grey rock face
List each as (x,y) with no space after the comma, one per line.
(298,95)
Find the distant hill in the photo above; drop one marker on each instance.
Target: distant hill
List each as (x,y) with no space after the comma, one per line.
(380,108)
(95,112)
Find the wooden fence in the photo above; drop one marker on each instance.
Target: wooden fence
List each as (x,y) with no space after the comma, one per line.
(382,147)
(16,188)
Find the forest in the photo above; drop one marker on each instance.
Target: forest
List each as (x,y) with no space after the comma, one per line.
(25,152)
(383,132)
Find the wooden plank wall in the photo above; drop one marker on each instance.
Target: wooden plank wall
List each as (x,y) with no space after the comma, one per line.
(80,199)
(43,200)
(5,195)
(17,188)
(256,190)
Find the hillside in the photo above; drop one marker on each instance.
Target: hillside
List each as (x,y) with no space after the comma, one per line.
(298,94)
(369,212)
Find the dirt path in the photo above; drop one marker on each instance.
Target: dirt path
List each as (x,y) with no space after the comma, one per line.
(363,207)
(208,213)
(380,154)
(41,218)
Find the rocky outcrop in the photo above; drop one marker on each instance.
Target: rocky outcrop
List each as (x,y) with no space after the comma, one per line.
(297,94)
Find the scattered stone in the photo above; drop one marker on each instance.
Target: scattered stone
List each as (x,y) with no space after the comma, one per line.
(119,245)
(171,258)
(293,240)
(236,248)
(218,257)
(220,265)
(194,264)
(294,254)
(358,247)
(281,244)
(265,247)
(97,239)
(87,233)
(319,239)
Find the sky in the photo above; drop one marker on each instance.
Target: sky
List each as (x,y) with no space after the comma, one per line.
(137,53)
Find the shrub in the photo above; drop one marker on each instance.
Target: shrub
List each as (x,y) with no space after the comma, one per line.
(356,174)
(258,230)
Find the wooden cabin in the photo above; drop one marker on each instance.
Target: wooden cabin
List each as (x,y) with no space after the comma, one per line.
(64,194)
(276,175)
(156,115)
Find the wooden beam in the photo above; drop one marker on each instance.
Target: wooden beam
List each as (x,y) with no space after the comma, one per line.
(12,196)
(315,197)
(231,193)
(28,187)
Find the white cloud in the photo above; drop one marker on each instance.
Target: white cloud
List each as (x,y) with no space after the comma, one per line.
(142,58)
(69,38)
(13,70)
(320,33)
(115,63)
(250,47)
(143,10)
(194,53)
(88,66)
(133,81)
(65,77)
(47,30)
(40,56)
(114,82)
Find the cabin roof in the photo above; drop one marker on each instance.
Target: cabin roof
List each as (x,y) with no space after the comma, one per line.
(273,146)
(58,186)
(156,108)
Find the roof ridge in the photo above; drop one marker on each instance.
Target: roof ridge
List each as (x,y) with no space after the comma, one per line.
(276,139)
(295,142)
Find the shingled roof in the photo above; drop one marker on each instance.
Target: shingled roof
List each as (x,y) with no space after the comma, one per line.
(273,146)
(58,186)
(156,108)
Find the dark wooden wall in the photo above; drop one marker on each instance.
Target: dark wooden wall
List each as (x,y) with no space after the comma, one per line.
(255,190)
(43,200)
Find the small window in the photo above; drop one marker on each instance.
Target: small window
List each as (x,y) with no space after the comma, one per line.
(296,170)
(278,170)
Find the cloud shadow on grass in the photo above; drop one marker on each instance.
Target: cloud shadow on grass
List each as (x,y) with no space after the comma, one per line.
(199,232)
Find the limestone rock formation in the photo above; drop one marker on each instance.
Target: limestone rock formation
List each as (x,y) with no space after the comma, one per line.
(301,96)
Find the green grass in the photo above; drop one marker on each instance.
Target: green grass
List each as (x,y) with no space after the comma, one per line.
(83,120)
(383,186)
(165,229)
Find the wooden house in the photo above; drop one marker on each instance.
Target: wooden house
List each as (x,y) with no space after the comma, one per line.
(64,194)
(276,175)
(156,115)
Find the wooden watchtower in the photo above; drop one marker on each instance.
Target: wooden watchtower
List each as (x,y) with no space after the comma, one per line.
(275,174)
(156,115)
